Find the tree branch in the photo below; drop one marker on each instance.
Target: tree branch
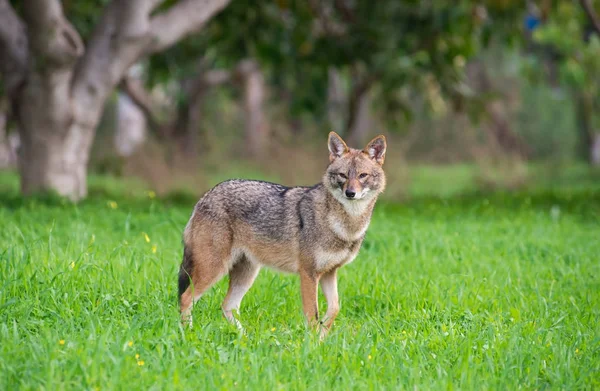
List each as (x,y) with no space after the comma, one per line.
(142,98)
(192,89)
(13,48)
(591,14)
(125,33)
(182,19)
(117,42)
(51,37)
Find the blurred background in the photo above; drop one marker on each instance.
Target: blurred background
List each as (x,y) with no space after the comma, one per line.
(472,95)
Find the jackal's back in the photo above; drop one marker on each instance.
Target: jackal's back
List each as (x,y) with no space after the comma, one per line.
(270,210)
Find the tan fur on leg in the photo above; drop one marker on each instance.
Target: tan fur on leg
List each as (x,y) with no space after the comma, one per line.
(308,287)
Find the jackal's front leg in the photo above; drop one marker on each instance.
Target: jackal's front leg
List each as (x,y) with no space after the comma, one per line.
(329,287)
(308,287)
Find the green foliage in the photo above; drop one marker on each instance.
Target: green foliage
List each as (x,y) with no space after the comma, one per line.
(483,292)
(565,33)
(84,15)
(568,34)
(402,45)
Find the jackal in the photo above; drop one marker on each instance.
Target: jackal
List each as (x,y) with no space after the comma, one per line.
(241,225)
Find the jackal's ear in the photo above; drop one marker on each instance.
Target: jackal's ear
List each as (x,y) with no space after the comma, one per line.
(376,149)
(337,146)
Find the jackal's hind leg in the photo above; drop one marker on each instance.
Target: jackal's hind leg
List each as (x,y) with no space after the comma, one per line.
(204,275)
(241,278)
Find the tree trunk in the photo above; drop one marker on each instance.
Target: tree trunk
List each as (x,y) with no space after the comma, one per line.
(255,126)
(359,123)
(55,142)
(358,117)
(130,130)
(59,88)
(193,126)
(502,132)
(52,159)
(336,100)
(589,140)
(499,127)
(595,150)
(55,139)
(5,148)
(188,124)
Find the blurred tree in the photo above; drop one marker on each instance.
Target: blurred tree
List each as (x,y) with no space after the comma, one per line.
(572,32)
(300,45)
(383,53)
(58,85)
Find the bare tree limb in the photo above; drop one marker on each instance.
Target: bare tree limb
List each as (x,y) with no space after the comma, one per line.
(125,33)
(52,38)
(13,48)
(362,83)
(142,98)
(591,14)
(184,18)
(216,77)
(117,42)
(193,89)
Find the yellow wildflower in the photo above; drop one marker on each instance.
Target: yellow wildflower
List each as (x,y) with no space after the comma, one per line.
(62,342)
(273,329)
(154,249)
(140,363)
(151,194)
(146,237)
(72,265)
(130,343)
(137,356)
(113,204)
(370,357)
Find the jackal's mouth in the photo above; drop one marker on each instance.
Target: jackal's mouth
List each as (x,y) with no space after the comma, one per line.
(358,196)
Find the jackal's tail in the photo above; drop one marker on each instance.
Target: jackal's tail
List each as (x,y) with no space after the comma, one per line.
(185,271)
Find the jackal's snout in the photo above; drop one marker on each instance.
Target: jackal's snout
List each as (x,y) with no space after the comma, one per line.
(352,187)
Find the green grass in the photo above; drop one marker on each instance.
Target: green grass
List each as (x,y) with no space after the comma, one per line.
(473,292)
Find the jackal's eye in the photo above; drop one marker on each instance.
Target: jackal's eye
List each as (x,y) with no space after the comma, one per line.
(363,175)
(343,176)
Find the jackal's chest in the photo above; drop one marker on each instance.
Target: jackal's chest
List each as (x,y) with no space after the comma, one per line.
(327,259)
(349,232)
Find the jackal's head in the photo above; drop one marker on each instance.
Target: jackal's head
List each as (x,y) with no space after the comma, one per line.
(355,174)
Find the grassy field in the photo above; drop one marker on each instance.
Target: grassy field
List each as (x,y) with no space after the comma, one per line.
(496,291)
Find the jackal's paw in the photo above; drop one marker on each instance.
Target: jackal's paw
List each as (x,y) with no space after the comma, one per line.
(323,332)
(231,318)
(186,321)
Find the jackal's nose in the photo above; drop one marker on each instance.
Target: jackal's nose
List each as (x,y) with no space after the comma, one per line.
(350,193)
